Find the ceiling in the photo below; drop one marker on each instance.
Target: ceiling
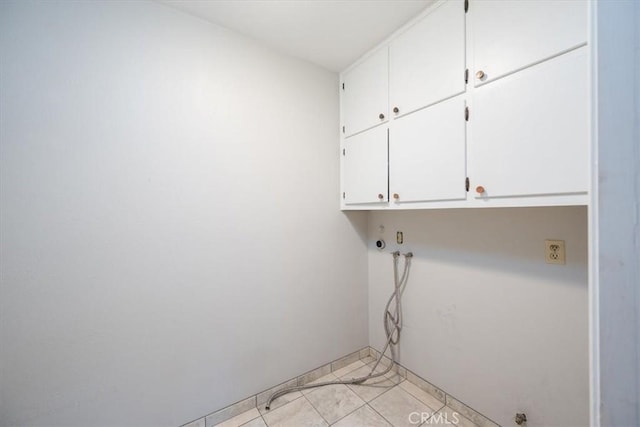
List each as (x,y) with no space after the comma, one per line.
(329,33)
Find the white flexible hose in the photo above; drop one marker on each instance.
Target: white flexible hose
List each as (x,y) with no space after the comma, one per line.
(392,327)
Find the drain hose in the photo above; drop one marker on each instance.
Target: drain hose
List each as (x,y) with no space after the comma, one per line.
(392,329)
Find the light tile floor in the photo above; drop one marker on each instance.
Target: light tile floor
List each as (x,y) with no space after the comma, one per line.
(387,401)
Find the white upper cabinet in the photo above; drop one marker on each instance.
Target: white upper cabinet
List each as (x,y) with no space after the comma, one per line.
(511,35)
(427,154)
(427,62)
(517,132)
(530,131)
(364,167)
(365,94)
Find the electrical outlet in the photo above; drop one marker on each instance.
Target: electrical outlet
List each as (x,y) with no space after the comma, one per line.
(399,237)
(554,252)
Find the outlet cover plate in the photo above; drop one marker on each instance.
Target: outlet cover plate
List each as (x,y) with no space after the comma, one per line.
(554,252)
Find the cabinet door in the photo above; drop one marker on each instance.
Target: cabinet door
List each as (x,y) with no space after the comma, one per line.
(365,168)
(427,154)
(365,94)
(530,131)
(427,62)
(510,35)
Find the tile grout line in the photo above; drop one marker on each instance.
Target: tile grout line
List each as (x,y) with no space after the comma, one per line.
(377,397)
(473,411)
(376,411)
(253,419)
(432,415)
(315,409)
(263,420)
(280,407)
(345,416)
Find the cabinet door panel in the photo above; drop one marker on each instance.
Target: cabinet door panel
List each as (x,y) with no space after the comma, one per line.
(510,35)
(366,94)
(365,167)
(427,61)
(530,130)
(427,153)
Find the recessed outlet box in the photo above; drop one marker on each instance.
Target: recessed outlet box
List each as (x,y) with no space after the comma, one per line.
(554,252)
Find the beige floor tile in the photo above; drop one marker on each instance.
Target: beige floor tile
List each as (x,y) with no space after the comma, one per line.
(475,417)
(426,386)
(360,372)
(382,366)
(258,422)
(349,368)
(344,361)
(372,388)
(263,397)
(325,379)
(368,360)
(241,419)
(394,377)
(315,374)
(334,401)
(280,401)
(400,408)
(447,417)
(363,417)
(365,352)
(298,413)
(421,395)
(231,411)
(197,423)
(390,400)
(384,362)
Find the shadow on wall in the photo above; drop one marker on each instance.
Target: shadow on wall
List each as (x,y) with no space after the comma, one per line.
(358,220)
(507,239)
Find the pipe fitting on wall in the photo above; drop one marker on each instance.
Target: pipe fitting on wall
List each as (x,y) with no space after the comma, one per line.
(521,419)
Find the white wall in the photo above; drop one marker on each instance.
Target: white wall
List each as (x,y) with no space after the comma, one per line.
(485,319)
(171,239)
(615,220)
